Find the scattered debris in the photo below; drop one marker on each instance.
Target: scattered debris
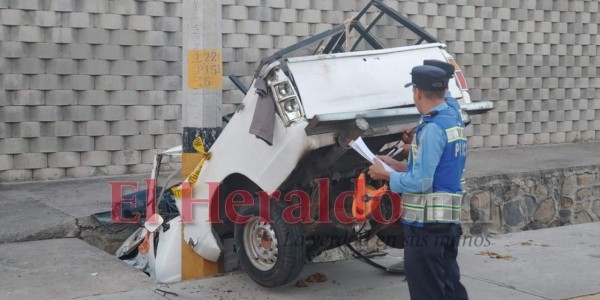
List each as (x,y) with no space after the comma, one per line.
(372,254)
(94,274)
(317,277)
(528,243)
(301,284)
(495,255)
(164,293)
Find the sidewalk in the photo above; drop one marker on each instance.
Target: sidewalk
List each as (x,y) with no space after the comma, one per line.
(531,158)
(558,263)
(53,209)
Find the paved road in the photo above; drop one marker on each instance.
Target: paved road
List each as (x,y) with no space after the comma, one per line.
(556,263)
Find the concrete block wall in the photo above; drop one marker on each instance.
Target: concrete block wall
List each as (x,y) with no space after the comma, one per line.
(535,59)
(91,87)
(254,29)
(87,87)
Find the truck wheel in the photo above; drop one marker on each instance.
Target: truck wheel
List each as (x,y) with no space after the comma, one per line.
(392,234)
(272,253)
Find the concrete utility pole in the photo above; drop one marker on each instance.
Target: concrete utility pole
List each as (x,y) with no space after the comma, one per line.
(202,68)
(202,99)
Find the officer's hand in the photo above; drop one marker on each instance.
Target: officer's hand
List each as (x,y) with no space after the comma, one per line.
(407,135)
(377,172)
(396,165)
(386,159)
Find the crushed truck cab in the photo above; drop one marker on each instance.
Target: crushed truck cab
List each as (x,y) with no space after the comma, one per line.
(308,101)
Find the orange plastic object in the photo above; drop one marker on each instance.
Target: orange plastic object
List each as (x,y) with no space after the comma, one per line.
(366,198)
(144,247)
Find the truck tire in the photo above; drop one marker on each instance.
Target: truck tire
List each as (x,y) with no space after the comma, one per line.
(391,234)
(272,253)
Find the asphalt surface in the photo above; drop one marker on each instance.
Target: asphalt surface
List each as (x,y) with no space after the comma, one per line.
(556,263)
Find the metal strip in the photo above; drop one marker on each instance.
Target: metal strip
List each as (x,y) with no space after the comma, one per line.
(405,21)
(376,44)
(381,14)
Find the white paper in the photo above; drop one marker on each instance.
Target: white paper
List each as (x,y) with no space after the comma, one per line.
(359,146)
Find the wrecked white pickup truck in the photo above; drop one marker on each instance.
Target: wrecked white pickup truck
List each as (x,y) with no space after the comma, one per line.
(290,138)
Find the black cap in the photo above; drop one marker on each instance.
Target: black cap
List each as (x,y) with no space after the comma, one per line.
(428,78)
(448,68)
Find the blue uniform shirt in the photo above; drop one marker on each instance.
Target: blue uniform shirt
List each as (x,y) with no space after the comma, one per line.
(451,101)
(432,141)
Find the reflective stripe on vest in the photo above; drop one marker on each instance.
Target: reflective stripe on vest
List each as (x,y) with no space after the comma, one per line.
(412,157)
(455,134)
(431,208)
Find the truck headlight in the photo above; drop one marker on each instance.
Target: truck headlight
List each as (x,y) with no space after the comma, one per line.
(290,109)
(288,103)
(284,90)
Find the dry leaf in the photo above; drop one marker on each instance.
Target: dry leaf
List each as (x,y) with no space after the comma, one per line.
(495,255)
(316,277)
(301,283)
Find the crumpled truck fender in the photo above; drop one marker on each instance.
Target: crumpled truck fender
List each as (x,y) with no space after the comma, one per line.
(238,151)
(167,262)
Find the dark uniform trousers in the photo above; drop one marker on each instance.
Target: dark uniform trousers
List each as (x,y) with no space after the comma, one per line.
(430,262)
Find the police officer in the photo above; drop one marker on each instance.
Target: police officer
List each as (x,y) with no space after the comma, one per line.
(431,190)
(407,135)
(449,69)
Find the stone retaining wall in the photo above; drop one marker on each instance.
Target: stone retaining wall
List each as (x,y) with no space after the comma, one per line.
(534,200)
